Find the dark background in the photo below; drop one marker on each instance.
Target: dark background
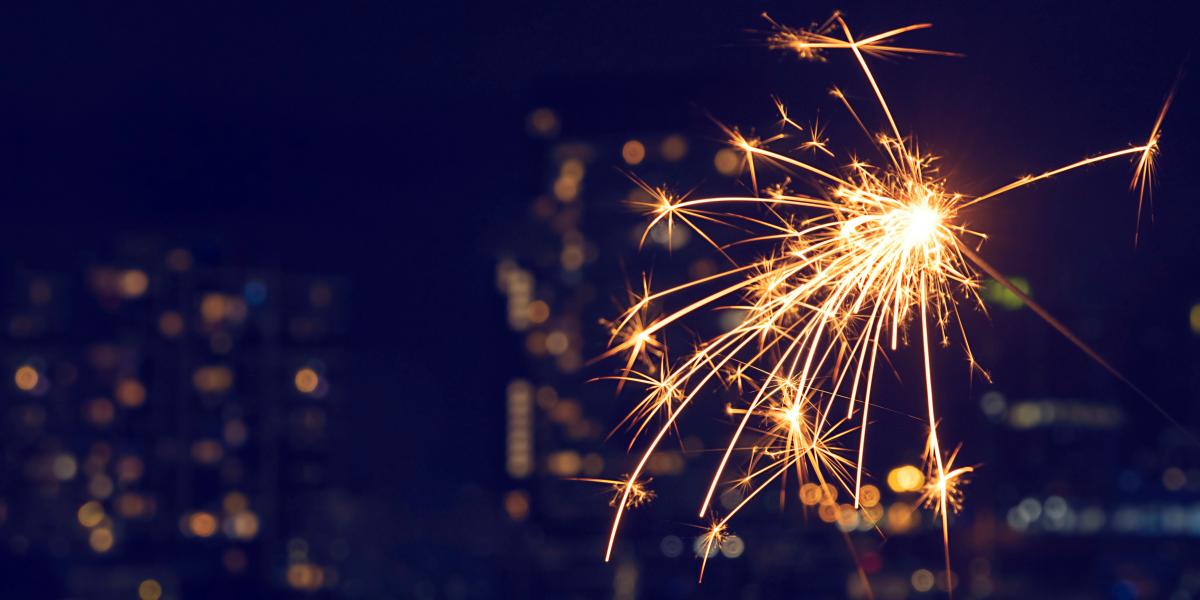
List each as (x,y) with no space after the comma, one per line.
(385,142)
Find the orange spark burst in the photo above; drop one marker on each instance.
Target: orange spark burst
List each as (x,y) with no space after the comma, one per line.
(850,266)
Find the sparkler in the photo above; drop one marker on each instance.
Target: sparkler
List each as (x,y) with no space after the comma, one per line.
(852,266)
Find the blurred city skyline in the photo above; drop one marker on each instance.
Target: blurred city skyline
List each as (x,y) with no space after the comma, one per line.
(387,146)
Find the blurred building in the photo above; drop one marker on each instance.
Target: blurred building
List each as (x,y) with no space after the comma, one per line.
(171,424)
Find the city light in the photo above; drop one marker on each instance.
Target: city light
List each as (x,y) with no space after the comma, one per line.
(26,378)
(306,380)
(149,590)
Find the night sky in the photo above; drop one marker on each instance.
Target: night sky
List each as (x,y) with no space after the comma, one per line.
(385,142)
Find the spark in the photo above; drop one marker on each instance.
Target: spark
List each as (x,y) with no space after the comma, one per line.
(852,265)
(817,142)
(639,492)
(660,395)
(943,488)
(714,536)
(632,330)
(1144,172)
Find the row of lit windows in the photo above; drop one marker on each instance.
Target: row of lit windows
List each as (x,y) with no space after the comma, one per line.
(213,379)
